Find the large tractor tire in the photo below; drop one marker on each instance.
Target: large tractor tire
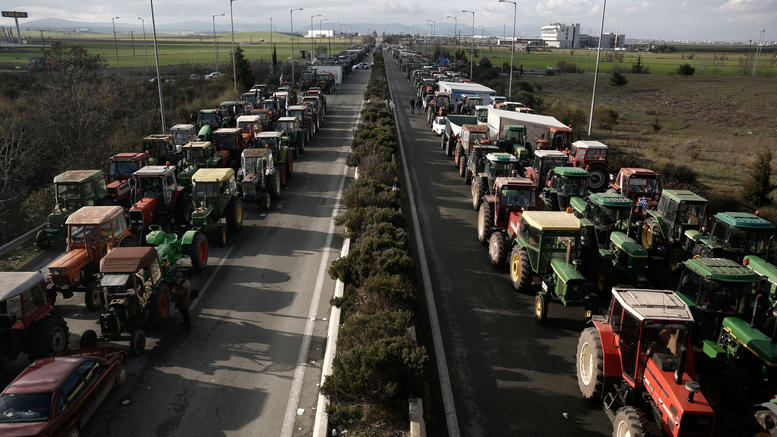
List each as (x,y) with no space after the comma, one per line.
(520,270)
(629,422)
(160,305)
(478,191)
(649,232)
(138,342)
(462,167)
(88,339)
(274,186)
(93,297)
(497,247)
(702,251)
(448,151)
(590,364)
(235,215)
(598,180)
(541,302)
(42,239)
(198,252)
(290,167)
(220,234)
(47,337)
(284,176)
(485,221)
(442,142)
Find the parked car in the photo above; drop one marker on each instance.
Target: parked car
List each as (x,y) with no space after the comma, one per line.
(361,66)
(195,77)
(213,75)
(58,395)
(438,126)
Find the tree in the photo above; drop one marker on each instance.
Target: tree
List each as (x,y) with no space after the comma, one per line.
(617,79)
(686,70)
(757,188)
(638,67)
(485,63)
(245,75)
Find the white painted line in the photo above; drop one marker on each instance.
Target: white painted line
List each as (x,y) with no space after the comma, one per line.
(439,350)
(211,277)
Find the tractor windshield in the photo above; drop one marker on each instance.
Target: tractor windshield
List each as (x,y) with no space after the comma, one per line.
(245,126)
(504,168)
(195,156)
(560,140)
(557,245)
(82,234)
(269,104)
(690,213)
(25,407)
(612,217)
(208,118)
(249,165)
(752,241)
(728,298)
(662,337)
(68,195)
(641,184)
(224,142)
(181,137)
(286,126)
(203,190)
(271,142)
(514,136)
(511,198)
(151,186)
(571,185)
(474,136)
(122,169)
(482,115)
(592,154)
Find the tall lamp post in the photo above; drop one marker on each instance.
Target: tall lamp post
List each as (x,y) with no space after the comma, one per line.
(115,43)
(512,50)
(321,32)
(291,23)
(596,70)
(215,44)
(455,39)
(761,41)
(434,31)
(145,47)
(234,67)
(472,50)
(312,39)
(158,76)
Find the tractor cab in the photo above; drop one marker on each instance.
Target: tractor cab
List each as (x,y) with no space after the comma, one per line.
(732,235)
(472,134)
(604,213)
(481,114)
(592,156)
(510,195)
(544,162)
(564,183)
(229,142)
(271,139)
(156,195)
(216,197)
(120,169)
(256,168)
(230,111)
(196,155)
(208,120)
(499,164)
(442,103)
(160,149)
(514,142)
(470,103)
(559,138)
(250,126)
(253,97)
(678,211)
(641,185)
(272,109)
(183,134)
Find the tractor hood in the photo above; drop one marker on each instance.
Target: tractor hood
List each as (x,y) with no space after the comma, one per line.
(24,429)
(57,219)
(752,339)
(204,132)
(628,245)
(565,271)
(67,266)
(200,216)
(142,212)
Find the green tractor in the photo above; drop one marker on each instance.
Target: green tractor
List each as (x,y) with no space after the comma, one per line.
(197,155)
(545,244)
(476,160)
(259,178)
(293,134)
(161,149)
(208,120)
(514,141)
(564,183)
(498,164)
(72,190)
(665,227)
(543,164)
(732,235)
(217,203)
(283,154)
(768,271)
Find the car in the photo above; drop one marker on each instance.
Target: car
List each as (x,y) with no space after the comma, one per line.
(195,77)
(438,126)
(57,395)
(213,75)
(361,66)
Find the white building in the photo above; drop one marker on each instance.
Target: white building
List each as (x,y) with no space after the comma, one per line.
(323,33)
(561,35)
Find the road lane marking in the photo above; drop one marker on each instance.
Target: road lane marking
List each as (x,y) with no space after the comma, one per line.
(211,277)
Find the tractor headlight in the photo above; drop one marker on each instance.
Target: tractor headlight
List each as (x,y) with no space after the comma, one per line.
(58,272)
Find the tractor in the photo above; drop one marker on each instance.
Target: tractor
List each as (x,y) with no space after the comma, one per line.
(120,169)
(259,178)
(196,155)
(72,190)
(305,117)
(160,149)
(92,231)
(313,108)
(158,199)
(229,141)
(564,183)
(497,164)
(768,271)
(511,195)
(638,362)
(543,163)
(136,284)
(732,235)
(470,136)
(513,140)
(293,134)
(28,323)
(475,161)
(208,120)
(283,154)
(592,156)
(545,244)
(230,111)
(678,211)
(273,112)
(183,134)
(250,126)
(217,203)
(318,106)
(441,106)
(641,185)
(309,78)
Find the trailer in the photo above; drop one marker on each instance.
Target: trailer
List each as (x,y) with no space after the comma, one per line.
(336,70)
(542,131)
(452,131)
(458,90)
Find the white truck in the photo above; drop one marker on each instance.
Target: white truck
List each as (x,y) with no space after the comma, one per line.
(336,70)
(458,90)
(542,131)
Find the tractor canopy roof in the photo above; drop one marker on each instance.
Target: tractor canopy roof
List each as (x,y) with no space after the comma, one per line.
(631,171)
(78,176)
(744,220)
(227,131)
(244,118)
(513,182)
(184,127)
(94,215)
(213,175)
(653,304)
(228,103)
(501,157)
(128,156)
(482,128)
(573,172)
(551,153)
(552,220)
(197,145)
(753,339)
(209,111)
(611,200)
(287,119)
(683,196)
(762,267)
(589,145)
(159,137)
(155,170)
(16,283)
(297,108)
(721,269)
(255,152)
(269,134)
(127,259)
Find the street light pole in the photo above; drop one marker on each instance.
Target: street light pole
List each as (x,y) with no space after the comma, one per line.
(455,39)
(234,67)
(158,76)
(434,30)
(320,31)
(115,43)
(596,70)
(512,51)
(312,40)
(291,24)
(215,44)
(761,40)
(270,30)
(145,47)
(472,50)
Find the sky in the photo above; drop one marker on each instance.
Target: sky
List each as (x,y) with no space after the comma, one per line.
(731,20)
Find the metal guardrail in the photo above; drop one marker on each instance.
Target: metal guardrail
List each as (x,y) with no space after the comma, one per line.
(20,240)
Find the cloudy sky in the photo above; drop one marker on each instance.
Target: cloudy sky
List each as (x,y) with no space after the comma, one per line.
(737,20)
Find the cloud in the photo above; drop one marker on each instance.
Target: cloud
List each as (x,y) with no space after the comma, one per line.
(749,6)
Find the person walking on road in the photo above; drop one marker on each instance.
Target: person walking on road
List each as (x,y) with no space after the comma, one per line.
(412,106)
(418,105)
(183,297)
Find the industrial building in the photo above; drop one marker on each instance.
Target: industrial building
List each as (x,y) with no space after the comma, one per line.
(323,33)
(561,36)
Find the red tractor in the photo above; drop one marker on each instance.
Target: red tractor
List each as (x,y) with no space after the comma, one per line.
(513,195)
(120,169)
(592,156)
(441,106)
(638,361)
(158,199)
(638,184)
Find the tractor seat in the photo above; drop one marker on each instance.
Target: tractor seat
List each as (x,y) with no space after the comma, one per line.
(665,361)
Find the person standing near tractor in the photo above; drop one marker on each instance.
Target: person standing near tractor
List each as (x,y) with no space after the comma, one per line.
(183,297)
(418,104)
(412,106)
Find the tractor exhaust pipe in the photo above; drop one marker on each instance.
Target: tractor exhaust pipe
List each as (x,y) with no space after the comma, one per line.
(678,373)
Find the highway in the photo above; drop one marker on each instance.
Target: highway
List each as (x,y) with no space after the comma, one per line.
(509,376)
(250,366)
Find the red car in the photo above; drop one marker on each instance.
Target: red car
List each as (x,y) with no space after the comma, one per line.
(56,396)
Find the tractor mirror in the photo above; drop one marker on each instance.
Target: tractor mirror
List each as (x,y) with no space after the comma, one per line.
(612,177)
(132,182)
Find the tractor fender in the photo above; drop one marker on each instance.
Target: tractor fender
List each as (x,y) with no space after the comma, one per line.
(611,364)
(661,223)
(514,223)
(693,235)
(188,237)
(578,205)
(709,242)
(204,132)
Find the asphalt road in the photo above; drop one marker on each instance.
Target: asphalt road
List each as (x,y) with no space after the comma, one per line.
(509,375)
(250,366)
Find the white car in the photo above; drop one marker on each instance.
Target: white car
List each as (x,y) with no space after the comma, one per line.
(438,126)
(213,75)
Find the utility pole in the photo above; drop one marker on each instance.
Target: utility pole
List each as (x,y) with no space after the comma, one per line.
(761,40)
(291,24)
(472,50)
(312,39)
(115,43)
(234,67)
(145,46)
(512,50)
(215,43)
(596,70)
(158,76)
(132,38)
(455,39)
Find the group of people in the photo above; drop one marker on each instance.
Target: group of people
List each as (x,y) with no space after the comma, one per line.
(415,105)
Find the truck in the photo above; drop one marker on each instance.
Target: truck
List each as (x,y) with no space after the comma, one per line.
(335,70)
(450,136)
(543,131)
(458,90)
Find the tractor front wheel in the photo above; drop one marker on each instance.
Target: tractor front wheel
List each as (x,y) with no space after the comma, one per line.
(541,307)
(221,236)
(629,422)
(48,337)
(42,239)
(598,179)
(198,252)
(590,364)
(520,270)
(160,305)
(478,191)
(88,339)
(93,297)
(485,221)
(650,230)
(235,215)
(462,167)
(448,151)
(274,186)
(138,342)
(496,249)
(442,142)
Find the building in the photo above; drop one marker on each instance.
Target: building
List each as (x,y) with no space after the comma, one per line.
(611,41)
(561,36)
(323,33)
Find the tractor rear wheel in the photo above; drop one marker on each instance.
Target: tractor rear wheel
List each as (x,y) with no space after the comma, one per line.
(485,221)
(629,422)
(88,339)
(48,336)
(290,167)
(235,215)
(138,342)
(590,362)
(478,191)
(496,249)
(598,179)
(274,186)
(650,230)
(221,236)
(462,167)
(442,142)
(283,173)
(448,148)
(520,270)
(93,297)
(42,239)
(198,252)
(541,307)
(160,305)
